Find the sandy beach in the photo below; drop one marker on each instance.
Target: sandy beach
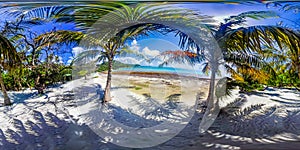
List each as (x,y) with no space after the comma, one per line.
(149,75)
(165,111)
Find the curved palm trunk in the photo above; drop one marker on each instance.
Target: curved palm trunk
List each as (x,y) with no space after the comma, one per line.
(107,95)
(5,95)
(213,108)
(211,93)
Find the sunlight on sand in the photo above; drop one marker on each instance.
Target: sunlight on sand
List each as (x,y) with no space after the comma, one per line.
(263,118)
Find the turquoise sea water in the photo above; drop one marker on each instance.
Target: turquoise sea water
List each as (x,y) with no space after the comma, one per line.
(180,71)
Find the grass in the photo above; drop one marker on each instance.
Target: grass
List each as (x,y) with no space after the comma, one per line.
(138,88)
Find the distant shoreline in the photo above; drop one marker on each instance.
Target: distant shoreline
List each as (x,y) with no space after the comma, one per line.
(163,75)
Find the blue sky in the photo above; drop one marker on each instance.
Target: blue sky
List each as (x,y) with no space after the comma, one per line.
(219,11)
(222,10)
(155,43)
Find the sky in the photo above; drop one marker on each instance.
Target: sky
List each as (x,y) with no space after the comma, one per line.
(222,10)
(219,11)
(152,45)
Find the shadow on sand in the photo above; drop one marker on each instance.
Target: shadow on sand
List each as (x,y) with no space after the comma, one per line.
(273,128)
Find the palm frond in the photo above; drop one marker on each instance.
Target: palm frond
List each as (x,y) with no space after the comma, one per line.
(206,68)
(88,55)
(9,57)
(250,43)
(151,15)
(233,72)
(36,11)
(248,110)
(180,56)
(85,15)
(64,36)
(250,14)
(252,38)
(295,7)
(233,106)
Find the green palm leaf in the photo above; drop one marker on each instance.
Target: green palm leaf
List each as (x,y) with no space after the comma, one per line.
(63,36)
(257,15)
(9,57)
(89,54)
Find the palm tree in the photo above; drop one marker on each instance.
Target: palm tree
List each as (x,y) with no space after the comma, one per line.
(121,22)
(241,49)
(8,59)
(137,20)
(107,52)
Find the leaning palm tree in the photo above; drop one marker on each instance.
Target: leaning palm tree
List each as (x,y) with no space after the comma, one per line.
(107,51)
(8,59)
(140,19)
(121,22)
(241,49)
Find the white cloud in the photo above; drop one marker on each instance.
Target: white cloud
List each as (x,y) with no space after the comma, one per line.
(146,51)
(60,60)
(128,60)
(149,52)
(183,66)
(69,60)
(220,19)
(134,45)
(77,50)
(155,62)
(134,42)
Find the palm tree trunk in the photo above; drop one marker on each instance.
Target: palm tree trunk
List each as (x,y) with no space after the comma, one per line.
(211,93)
(107,95)
(39,86)
(212,109)
(6,98)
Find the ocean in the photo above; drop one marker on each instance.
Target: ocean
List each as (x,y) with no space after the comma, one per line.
(179,71)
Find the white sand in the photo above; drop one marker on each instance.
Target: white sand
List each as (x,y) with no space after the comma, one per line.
(136,111)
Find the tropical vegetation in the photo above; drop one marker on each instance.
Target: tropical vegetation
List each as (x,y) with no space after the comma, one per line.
(246,58)
(254,56)
(114,32)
